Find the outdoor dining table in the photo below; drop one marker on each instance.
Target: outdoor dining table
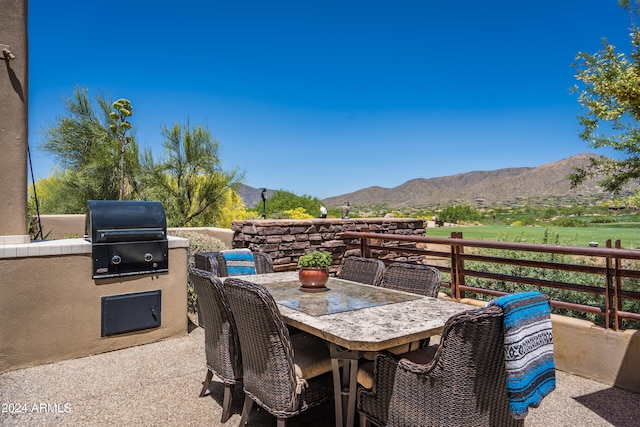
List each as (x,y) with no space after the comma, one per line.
(355,318)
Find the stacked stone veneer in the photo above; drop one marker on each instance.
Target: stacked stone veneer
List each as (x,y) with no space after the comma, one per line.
(285,240)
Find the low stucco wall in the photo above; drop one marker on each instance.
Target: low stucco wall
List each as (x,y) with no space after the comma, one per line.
(587,350)
(223,234)
(50,308)
(62,226)
(604,355)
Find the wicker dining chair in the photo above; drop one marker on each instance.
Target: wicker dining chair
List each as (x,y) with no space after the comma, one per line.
(222,348)
(415,278)
(285,374)
(460,382)
(214,261)
(363,270)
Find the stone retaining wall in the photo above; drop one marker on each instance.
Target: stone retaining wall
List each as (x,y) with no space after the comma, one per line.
(285,240)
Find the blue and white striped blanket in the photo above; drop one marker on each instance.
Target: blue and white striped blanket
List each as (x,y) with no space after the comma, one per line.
(528,350)
(239,262)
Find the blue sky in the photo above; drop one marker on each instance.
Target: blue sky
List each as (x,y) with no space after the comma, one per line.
(328,97)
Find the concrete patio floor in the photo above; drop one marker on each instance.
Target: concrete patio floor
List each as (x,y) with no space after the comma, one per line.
(158,385)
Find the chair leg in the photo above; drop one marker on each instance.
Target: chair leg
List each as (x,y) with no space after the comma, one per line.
(206,383)
(282,422)
(226,403)
(246,409)
(364,422)
(424,343)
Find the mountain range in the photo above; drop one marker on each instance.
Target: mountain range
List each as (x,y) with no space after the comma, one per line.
(546,183)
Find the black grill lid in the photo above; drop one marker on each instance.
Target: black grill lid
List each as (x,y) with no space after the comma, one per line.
(123,220)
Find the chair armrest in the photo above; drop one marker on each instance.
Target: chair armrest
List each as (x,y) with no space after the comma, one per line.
(374,403)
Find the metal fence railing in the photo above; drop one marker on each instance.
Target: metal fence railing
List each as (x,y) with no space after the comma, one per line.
(608,276)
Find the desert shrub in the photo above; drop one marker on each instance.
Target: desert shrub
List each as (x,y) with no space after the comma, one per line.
(631,284)
(537,273)
(453,214)
(592,280)
(602,220)
(549,212)
(198,242)
(297,213)
(569,222)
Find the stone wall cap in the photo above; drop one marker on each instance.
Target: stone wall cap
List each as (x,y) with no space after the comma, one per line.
(271,222)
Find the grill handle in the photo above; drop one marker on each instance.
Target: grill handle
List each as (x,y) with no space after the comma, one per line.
(121,235)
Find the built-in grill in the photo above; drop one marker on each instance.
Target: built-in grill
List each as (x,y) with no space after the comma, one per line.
(128,237)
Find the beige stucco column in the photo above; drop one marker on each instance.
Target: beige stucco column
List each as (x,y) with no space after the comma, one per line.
(13,121)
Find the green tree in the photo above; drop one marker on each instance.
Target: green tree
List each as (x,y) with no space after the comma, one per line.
(88,143)
(609,92)
(456,213)
(282,201)
(63,192)
(87,151)
(189,178)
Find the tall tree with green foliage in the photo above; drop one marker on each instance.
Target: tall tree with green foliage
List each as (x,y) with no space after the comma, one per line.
(189,178)
(456,213)
(87,149)
(120,126)
(89,143)
(281,201)
(609,92)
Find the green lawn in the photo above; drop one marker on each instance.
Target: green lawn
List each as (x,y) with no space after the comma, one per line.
(629,236)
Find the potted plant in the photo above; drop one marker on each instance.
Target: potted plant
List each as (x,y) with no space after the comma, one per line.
(314,270)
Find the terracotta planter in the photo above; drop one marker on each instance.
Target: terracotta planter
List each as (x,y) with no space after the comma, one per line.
(313,278)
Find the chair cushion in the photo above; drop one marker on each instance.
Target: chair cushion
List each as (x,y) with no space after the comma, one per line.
(239,262)
(365,375)
(422,356)
(399,349)
(311,356)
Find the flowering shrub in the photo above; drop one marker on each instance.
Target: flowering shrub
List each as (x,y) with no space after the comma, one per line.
(298,213)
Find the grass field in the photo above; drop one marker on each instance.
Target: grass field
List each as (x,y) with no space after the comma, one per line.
(629,235)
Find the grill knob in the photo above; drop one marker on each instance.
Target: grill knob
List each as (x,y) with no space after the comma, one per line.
(148,257)
(116,260)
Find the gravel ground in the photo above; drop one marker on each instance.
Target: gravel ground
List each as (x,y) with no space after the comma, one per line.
(158,385)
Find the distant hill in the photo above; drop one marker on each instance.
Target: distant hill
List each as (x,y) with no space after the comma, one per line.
(482,188)
(545,184)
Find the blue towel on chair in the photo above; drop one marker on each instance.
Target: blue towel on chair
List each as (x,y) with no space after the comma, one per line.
(239,262)
(528,350)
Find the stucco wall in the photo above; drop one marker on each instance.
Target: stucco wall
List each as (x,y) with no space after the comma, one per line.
(50,308)
(587,350)
(223,234)
(13,119)
(62,226)
(607,356)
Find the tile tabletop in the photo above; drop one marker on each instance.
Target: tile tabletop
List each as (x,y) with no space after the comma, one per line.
(357,316)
